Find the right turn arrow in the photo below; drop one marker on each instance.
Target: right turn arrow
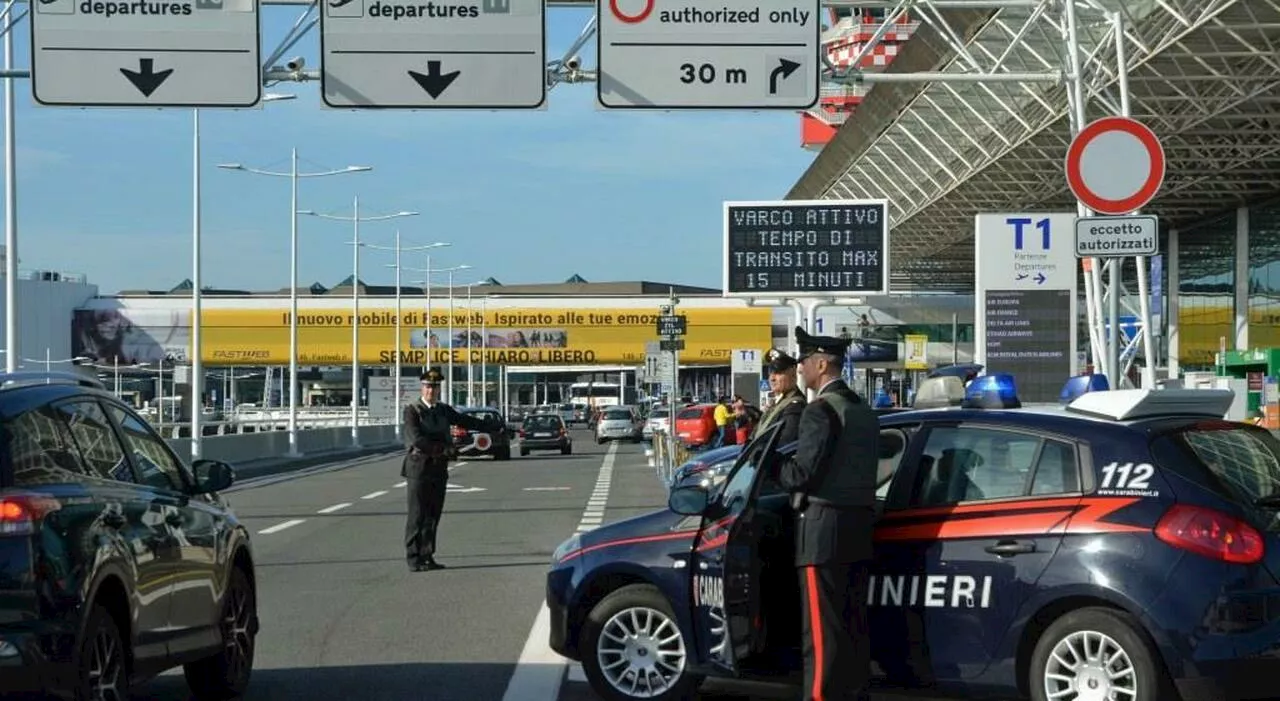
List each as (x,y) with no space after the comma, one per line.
(783,71)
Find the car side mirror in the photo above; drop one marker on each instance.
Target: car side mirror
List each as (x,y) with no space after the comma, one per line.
(689,500)
(212,475)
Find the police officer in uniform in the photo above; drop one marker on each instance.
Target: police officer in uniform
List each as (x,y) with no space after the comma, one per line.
(790,400)
(832,481)
(426,431)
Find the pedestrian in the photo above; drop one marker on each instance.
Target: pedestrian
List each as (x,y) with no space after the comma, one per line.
(427,436)
(832,481)
(721,416)
(789,401)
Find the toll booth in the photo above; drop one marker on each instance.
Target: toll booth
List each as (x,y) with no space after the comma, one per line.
(1260,368)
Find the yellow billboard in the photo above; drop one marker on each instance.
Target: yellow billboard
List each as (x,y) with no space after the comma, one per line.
(529,336)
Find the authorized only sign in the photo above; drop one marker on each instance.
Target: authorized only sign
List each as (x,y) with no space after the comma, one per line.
(1117,237)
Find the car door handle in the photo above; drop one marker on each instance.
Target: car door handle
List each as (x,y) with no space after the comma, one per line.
(1006,548)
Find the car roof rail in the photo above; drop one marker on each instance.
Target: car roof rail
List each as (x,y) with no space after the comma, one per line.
(1130,404)
(27,378)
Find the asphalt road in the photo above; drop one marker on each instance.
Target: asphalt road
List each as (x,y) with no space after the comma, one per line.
(343,617)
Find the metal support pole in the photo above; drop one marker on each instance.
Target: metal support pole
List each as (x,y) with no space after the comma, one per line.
(10,205)
(396,381)
(293,306)
(470,365)
(430,350)
(449,343)
(1141,263)
(197,362)
(484,342)
(355,324)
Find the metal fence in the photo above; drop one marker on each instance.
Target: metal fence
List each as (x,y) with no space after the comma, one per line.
(665,454)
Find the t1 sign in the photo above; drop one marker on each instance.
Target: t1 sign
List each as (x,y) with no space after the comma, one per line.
(806,248)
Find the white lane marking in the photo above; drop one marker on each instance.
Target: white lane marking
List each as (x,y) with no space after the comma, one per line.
(374,495)
(281,526)
(546,489)
(540,671)
(402,484)
(335,507)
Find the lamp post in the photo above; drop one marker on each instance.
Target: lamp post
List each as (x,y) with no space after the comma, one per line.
(429,270)
(294,176)
(398,248)
(355,220)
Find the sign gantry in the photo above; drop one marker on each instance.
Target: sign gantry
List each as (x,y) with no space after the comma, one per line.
(409,54)
(176,53)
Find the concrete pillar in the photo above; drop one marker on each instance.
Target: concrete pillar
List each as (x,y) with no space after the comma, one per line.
(1242,279)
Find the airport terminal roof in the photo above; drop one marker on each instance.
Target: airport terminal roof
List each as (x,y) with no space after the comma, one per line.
(942,147)
(574,286)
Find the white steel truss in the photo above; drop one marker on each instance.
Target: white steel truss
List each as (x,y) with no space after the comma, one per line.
(987,130)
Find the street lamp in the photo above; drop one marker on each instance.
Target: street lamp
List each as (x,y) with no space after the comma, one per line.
(428,283)
(355,219)
(398,248)
(294,176)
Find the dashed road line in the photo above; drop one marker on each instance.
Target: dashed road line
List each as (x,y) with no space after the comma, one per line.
(281,526)
(405,483)
(540,671)
(374,495)
(335,507)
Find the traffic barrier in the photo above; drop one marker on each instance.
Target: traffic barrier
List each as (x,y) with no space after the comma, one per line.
(265,445)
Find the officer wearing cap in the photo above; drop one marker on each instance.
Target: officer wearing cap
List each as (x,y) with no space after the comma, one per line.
(790,402)
(426,431)
(832,481)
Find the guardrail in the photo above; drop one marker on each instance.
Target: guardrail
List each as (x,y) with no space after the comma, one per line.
(265,445)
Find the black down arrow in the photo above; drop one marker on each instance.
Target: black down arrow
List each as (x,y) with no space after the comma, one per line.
(147,79)
(433,81)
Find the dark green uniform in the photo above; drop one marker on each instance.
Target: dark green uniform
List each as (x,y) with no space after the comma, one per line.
(832,479)
(786,411)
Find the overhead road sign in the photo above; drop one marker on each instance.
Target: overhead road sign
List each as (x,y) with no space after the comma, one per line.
(1115,165)
(176,53)
(806,248)
(686,54)
(405,54)
(1117,237)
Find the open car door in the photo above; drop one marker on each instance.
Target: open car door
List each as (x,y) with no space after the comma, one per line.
(725,567)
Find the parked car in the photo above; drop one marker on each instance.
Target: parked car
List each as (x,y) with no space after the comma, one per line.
(499,442)
(97,514)
(659,420)
(696,425)
(545,432)
(618,422)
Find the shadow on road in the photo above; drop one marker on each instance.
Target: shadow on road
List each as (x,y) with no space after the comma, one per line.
(438,681)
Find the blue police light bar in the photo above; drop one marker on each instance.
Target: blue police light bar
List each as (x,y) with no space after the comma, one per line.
(992,392)
(1081,384)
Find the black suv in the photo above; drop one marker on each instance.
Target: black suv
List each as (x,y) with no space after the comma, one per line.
(498,444)
(117,561)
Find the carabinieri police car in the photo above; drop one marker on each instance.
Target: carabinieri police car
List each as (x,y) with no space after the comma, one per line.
(1123,547)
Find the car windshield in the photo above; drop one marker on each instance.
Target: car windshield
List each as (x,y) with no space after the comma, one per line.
(1245,458)
(542,423)
(617,415)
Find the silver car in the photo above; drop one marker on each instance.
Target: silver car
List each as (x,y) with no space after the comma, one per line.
(618,423)
(659,420)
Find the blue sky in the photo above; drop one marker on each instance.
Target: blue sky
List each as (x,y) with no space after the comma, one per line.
(522,196)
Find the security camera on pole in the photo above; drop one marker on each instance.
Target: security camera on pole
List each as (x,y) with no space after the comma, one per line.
(294,176)
(355,220)
(399,314)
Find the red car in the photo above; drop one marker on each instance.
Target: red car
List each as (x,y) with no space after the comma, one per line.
(696,425)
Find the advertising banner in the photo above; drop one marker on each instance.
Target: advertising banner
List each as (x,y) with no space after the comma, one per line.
(1026,286)
(603,336)
(917,352)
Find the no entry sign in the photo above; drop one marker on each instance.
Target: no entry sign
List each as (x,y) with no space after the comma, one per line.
(1115,165)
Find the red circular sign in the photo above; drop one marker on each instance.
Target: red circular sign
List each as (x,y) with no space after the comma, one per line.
(632,19)
(1087,169)
(483,441)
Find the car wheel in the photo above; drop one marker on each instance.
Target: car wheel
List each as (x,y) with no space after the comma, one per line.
(524,452)
(104,660)
(651,662)
(1096,653)
(226,674)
